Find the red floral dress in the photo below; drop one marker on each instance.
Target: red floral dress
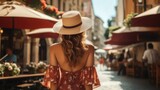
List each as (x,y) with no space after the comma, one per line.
(67,80)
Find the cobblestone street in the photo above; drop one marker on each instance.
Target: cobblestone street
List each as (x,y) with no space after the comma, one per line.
(110,81)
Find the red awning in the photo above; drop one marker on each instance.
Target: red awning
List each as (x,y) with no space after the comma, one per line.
(149,18)
(133,35)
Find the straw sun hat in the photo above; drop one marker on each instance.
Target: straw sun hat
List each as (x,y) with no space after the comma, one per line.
(72,23)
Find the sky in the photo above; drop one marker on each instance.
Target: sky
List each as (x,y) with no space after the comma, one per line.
(104,9)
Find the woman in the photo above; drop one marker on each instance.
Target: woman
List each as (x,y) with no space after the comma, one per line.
(71,61)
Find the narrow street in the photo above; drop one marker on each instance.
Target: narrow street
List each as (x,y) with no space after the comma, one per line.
(111,81)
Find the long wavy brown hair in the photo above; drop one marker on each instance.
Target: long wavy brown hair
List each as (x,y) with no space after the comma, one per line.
(74,47)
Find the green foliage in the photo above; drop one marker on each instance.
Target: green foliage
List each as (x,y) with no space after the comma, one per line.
(109,30)
(106,34)
(33,3)
(127,21)
(113,28)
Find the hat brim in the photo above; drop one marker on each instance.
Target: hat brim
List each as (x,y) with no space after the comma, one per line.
(86,24)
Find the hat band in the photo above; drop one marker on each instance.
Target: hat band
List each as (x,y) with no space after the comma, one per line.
(72,26)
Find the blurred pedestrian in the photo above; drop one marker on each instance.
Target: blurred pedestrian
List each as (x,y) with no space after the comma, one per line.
(121,62)
(102,62)
(150,58)
(151,55)
(10,56)
(110,59)
(71,61)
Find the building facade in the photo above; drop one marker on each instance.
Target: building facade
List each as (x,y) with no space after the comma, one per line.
(83,6)
(98,34)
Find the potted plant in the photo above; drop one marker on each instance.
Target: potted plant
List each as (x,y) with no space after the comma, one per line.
(10,69)
(41,67)
(127,21)
(1,69)
(31,68)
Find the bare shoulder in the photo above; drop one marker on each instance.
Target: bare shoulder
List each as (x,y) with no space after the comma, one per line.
(55,45)
(91,47)
(90,55)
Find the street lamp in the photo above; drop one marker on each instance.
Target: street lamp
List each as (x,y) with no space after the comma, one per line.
(140,6)
(139,1)
(144,3)
(1,31)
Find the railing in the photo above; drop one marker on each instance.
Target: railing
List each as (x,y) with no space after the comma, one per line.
(22,76)
(157,75)
(12,82)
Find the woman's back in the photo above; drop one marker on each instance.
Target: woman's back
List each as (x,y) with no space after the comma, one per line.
(71,78)
(63,62)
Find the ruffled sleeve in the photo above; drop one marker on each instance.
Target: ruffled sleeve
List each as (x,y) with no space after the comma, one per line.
(51,75)
(90,77)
